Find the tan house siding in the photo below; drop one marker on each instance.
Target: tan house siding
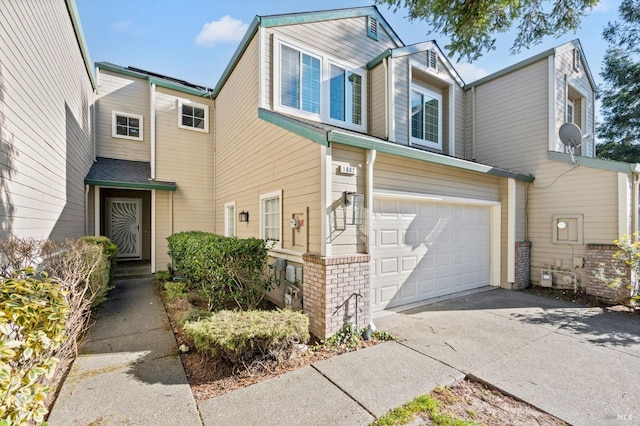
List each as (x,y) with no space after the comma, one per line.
(123,94)
(46,147)
(254,158)
(350,34)
(401,174)
(185,157)
(558,189)
(378,102)
(346,238)
(567,76)
(511,119)
(164,227)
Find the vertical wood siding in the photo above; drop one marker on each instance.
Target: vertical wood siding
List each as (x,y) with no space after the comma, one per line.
(46,148)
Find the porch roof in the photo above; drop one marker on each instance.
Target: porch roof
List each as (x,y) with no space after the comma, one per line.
(114,173)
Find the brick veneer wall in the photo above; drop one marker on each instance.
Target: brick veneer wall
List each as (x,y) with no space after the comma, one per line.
(597,254)
(523,265)
(328,283)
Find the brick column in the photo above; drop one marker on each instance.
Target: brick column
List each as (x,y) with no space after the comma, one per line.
(598,254)
(523,265)
(328,283)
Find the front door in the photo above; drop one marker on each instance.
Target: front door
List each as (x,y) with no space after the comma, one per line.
(123,226)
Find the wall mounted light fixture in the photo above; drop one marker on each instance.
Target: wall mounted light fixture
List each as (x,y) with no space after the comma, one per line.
(243,216)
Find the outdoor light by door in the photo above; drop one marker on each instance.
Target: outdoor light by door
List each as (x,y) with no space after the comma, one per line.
(243,216)
(352,203)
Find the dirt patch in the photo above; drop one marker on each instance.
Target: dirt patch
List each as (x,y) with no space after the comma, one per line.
(211,377)
(581,297)
(473,401)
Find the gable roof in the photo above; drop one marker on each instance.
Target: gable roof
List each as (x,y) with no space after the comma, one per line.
(416,48)
(300,18)
(82,43)
(554,51)
(325,134)
(158,79)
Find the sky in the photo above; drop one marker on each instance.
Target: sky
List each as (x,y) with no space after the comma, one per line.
(194,40)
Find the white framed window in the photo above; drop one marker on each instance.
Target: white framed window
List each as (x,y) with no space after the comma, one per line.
(193,116)
(345,94)
(127,126)
(271,218)
(317,87)
(230,219)
(426,117)
(570,111)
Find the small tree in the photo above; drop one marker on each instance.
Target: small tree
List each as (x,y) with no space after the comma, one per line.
(625,266)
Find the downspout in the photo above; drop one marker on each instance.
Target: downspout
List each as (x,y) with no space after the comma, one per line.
(511,231)
(387,100)
(473,123)
(152,117)
(325,199)
(86,210)
(371,159)
(634,204)
(215,167)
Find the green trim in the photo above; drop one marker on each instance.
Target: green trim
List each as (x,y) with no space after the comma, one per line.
(153,80)
(595,163)
(306,131)
(512,68)
(327,15)
(378,59)
(336,136)
(132,185)
(82,43)
(244,44)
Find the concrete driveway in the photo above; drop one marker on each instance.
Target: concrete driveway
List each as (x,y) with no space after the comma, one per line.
(580,364)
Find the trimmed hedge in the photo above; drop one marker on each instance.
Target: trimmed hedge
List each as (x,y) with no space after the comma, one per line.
(240,336)
(229,272)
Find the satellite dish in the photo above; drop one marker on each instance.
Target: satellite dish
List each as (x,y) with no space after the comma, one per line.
(570,135)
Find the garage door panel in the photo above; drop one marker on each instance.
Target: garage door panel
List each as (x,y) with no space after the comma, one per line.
(424,249)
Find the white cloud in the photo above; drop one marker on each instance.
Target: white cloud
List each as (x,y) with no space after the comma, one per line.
(227,29)
(123,26)
(603,6)
(470,72)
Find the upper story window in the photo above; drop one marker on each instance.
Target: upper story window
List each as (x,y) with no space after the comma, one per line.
(127,126)
(570,111)
(345,95)
(193,116)
(317,87)
(426,117)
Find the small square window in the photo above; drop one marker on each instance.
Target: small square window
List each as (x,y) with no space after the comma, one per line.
(127,126)
(193,116)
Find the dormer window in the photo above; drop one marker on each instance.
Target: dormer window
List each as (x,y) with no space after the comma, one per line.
(345,95)
(426,117)
(299,80)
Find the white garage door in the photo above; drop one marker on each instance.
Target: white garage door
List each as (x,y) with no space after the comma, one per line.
(425,249)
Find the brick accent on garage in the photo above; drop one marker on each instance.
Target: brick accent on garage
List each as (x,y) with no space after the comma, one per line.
(328,283)
(596,255)
(523,265)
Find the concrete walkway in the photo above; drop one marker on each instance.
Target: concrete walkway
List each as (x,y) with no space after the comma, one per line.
(128,371)
(577,363)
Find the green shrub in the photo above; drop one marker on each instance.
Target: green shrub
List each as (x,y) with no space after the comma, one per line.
(227,271)
(161,277)
(33,313)
(196,314)
(241,336)
(109,249)
(175,289)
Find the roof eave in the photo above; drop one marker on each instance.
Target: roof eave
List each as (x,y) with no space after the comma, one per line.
(596,163)
(82,43)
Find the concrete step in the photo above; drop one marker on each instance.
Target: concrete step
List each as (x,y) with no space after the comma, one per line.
(132,270)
